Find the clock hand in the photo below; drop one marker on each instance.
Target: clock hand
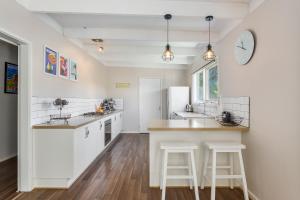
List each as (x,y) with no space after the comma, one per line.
(241,47)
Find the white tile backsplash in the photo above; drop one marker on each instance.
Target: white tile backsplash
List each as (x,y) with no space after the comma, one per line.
(42,107)
(237,106)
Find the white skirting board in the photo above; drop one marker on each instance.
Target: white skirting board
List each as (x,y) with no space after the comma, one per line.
(8,157)
(252,195)
(131,132)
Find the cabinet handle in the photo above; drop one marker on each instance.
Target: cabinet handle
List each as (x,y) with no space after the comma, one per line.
(87,132)
(115,118)
(101,125)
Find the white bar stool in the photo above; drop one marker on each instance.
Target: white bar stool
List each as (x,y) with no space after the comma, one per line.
(223,147)
(178,147)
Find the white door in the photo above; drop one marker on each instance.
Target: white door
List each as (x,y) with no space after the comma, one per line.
(150,101)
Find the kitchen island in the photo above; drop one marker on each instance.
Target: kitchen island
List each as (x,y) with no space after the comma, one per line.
(191,130)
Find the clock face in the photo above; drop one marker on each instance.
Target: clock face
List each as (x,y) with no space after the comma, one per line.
(244,47)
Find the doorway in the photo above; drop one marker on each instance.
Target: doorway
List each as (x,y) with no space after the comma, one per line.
(8,119)
(24,92)
(150,100)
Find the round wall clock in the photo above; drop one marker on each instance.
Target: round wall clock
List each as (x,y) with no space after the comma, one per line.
(244,47)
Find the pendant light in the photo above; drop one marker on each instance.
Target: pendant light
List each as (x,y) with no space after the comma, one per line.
(209,55)
(168,54)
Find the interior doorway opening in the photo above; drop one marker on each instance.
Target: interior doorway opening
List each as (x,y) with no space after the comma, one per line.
(8,119)
(21,155)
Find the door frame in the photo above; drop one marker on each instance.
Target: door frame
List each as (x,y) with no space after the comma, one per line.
(139,100)
(25,144)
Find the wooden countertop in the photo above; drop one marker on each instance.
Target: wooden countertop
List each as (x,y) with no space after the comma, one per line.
(74,122)
(204,124)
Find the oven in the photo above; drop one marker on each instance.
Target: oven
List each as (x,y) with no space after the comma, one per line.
(107,131)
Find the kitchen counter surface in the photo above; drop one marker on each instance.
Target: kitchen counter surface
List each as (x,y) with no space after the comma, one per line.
(192,115)
(74,122)
(204,124)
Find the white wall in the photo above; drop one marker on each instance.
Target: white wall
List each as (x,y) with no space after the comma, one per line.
(8,102)
(92,75)
(271,79)
(131,75)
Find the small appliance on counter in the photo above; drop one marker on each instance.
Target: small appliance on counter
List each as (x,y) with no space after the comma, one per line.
(227,119)
(189,108)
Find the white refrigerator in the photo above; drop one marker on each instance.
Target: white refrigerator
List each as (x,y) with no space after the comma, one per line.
(178,97)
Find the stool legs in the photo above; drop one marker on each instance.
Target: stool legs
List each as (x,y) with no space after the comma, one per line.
(194,175)
(164,185)
(189,158)
(162,171)
(213,177)
(214,172)
(245,188)
(204,169)
(231,158)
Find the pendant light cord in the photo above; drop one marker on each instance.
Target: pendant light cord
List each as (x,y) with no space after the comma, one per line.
(167,31)
(209,32)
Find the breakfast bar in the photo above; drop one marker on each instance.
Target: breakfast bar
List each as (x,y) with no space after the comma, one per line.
(192,130)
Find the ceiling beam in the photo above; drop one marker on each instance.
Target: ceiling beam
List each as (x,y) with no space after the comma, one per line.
(145,65)
(139,34)
(229,10)
(115,50)
(145,58)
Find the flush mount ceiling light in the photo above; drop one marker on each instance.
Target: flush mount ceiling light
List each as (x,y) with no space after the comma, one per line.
(209,55)
(100,49)
(168,54)
(99,44)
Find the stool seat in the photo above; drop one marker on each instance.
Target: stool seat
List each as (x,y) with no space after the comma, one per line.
(178,145)
(224,145)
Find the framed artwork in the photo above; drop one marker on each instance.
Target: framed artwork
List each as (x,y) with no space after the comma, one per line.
(73,71)
(63,67)
(11,78)
(50,61)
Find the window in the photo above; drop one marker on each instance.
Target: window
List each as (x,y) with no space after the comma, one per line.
(205,83)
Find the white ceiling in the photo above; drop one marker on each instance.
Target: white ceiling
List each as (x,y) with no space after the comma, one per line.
(134,31)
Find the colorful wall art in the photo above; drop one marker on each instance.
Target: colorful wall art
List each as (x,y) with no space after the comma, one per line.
(73,71)
(63,67)
(50,58)
(11,78)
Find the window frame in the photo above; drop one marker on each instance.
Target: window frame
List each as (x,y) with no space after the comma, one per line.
(205,70)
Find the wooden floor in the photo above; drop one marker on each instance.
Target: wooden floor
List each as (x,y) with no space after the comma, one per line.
(123,173)
(8,179)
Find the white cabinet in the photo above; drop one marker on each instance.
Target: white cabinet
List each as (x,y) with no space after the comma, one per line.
(117,123)
(99,136)
(61,155)
(85,146)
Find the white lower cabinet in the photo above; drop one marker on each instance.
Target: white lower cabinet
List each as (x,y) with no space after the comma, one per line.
(61,155)
(99,136)
(117,123)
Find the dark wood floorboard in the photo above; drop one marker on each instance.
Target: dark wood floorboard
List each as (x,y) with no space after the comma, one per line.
(8,179)
(123,173)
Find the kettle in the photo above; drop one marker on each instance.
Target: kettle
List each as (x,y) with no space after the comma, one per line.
(226,116)
(189,108)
